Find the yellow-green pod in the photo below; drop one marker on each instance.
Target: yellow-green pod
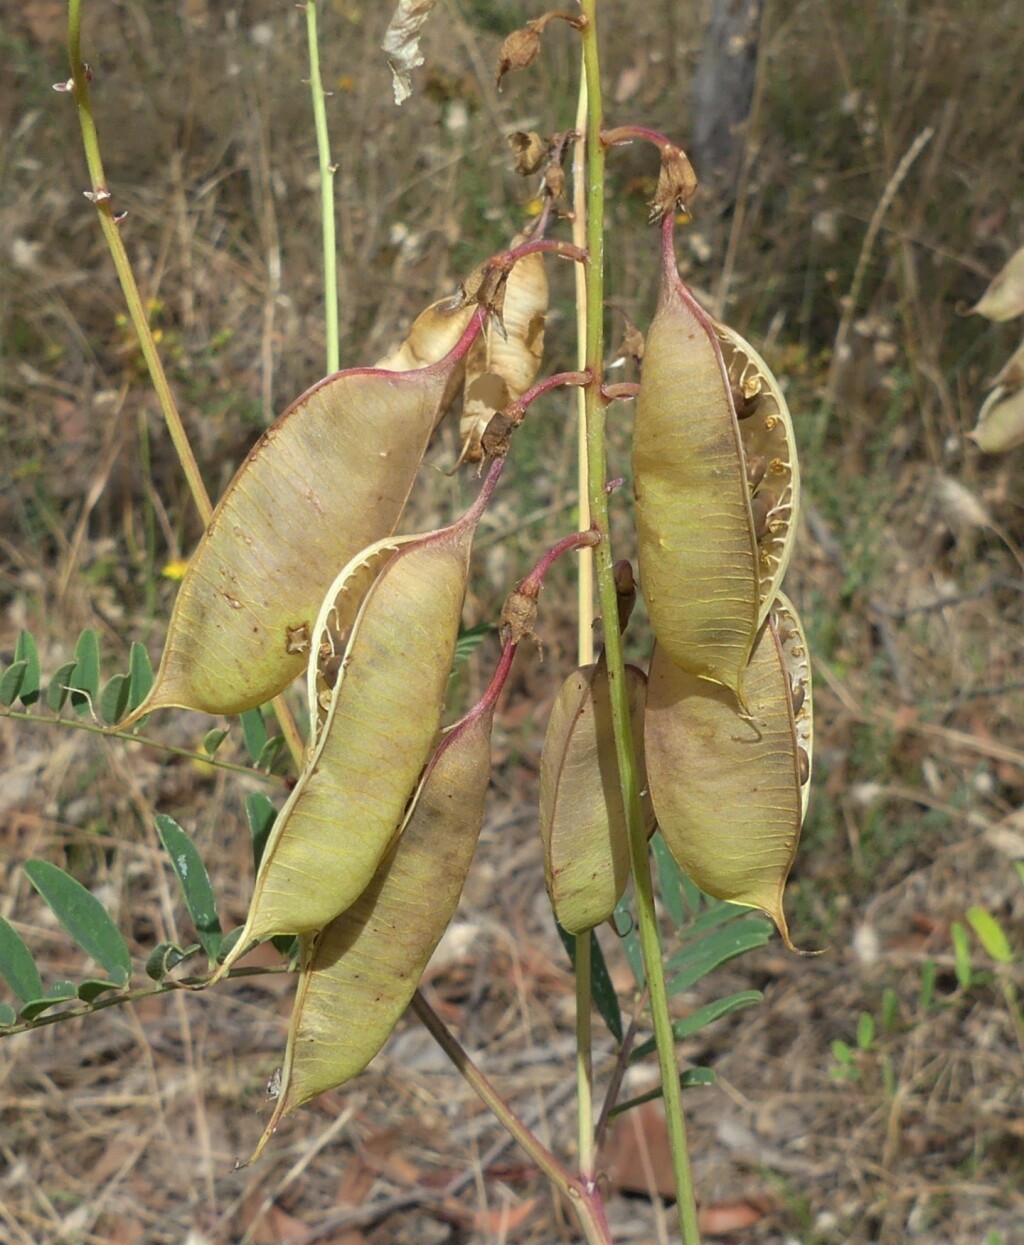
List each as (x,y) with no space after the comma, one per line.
(696,545)
(381,722)
(500,368)
(767,439)
(730,791)
(1000,424)
(361,971)
(330,477)
(583,825)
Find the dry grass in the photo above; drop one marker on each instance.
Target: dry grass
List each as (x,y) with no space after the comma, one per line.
(124,1127)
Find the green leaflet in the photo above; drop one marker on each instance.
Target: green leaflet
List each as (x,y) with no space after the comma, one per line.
(84,918)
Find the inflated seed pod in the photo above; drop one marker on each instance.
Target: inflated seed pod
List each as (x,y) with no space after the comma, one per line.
(501,368)
(333,627)
(330,477)
(434,332)
(381,722)
(1000,424)
(360,972)
(697,550)
(730,791)
(769,448)
(583,825)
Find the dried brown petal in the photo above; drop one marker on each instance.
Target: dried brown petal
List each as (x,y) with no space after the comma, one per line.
(677,184)
(529,149)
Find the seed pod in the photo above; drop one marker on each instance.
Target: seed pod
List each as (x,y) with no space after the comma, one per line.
(435,331)
(583,825)
(500,369)
(767,437)
(1000,422)
(381,721)
(1004,298)
(329,478)
(730,791)
(361,971)
(697,551)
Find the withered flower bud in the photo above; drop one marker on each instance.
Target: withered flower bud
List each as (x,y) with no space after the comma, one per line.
(519,51)
(518,617)
(677,184)
(529,149)
(497,436)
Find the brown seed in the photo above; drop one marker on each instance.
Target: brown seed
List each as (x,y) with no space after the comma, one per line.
(762,506)
(746,397)
(803,762)
(798,694)
(757,465)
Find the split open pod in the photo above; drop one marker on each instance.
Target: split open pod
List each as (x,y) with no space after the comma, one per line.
(502,363)
(716,485)
(330,477)
(377,703)
(730,791)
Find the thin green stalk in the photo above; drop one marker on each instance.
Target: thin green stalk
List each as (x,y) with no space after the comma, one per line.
(327,171)
(584,1057)
(584,630)
(129,737)
(100,196)
(647,917)
(582,1195)
(133,996)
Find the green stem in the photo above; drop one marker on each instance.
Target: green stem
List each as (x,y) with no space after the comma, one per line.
(134,996)
(582,1194)
(327,170)
(584,1058)
(584,632)
(100,196)
(625,754)
(129,737)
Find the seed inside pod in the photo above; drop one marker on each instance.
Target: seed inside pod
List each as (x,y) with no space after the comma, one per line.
(757,465)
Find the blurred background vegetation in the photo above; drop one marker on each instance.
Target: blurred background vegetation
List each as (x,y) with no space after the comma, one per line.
(879,186)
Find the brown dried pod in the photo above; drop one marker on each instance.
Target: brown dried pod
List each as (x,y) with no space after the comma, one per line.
(501,367)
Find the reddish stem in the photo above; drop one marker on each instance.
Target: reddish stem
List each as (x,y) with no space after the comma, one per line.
(623,134)
(531,585)
(555,245)
(517,409)
(624,389)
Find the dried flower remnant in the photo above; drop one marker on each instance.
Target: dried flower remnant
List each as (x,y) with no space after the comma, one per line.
(402,44)
(520,48)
